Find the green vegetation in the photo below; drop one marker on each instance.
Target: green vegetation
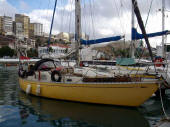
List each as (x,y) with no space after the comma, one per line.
(7,51)
(121,52)
(50,49)
(139,52)
(32,53)
(38,42)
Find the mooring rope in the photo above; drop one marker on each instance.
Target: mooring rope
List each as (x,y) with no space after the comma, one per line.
(162,104)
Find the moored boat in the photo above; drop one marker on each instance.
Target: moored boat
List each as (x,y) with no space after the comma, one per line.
(125,94)
(47,79)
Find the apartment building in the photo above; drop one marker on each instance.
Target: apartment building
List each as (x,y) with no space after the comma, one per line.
(36,29)
(6,25)
(25,20)
(1,31)
(18,30)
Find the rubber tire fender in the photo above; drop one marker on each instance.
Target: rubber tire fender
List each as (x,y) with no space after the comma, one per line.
(53,76)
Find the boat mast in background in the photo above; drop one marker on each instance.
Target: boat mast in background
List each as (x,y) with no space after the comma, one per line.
(163,28)
(133,26)
(140,22)
(77,30)
(52,21)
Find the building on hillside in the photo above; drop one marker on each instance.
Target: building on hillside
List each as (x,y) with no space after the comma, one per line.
(18,30)
(1,30)
(25,20)
(25,44)
(58,50)
(46,35)
(83,36)
(92,54)
(63,36)
(6,25)
(166,51)
(31,30)
(7,41)
(36,29)
(71,37)
(31,43)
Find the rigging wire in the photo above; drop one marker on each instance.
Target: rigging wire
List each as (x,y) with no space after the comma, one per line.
(70,18)
(40,3)
(62,16)
(146,21)
(89,19)
(88,14)
(93,25)
(145,26)
(92,17)
(47,13)
(148,13)
(84,18)
(162,104)
(125,7)
(116,5)
(66,15)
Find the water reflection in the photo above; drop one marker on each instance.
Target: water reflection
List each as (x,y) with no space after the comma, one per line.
(152,109)
(18,109)
(8,86)
(61,113)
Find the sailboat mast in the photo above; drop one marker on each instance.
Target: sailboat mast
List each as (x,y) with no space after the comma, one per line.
(77,30)
(133,26)
(163,27)
(140,22)
(52,21)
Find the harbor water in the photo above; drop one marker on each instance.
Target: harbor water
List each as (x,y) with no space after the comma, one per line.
(20,110)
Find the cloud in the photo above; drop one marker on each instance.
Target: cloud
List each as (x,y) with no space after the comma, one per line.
(7,9)
(101,18)
(23,6)
(41,16)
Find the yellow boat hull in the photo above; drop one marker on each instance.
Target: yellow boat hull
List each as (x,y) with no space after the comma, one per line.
(124,94)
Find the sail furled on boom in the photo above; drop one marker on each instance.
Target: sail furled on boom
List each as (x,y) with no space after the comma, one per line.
(101,40)
(137,36)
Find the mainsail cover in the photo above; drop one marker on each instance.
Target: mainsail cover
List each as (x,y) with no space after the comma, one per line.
(102,40)
(137,36)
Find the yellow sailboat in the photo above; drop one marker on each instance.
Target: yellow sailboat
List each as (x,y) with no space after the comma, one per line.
(49,79)
(125,94)
(66,85)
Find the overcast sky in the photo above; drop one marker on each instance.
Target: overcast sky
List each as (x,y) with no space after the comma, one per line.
(100,18)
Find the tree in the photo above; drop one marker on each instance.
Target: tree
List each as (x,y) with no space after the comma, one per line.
(7,51)
(38,42)
(66,51)
(32,53)
(120,52)
(138,52)
(50,49)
